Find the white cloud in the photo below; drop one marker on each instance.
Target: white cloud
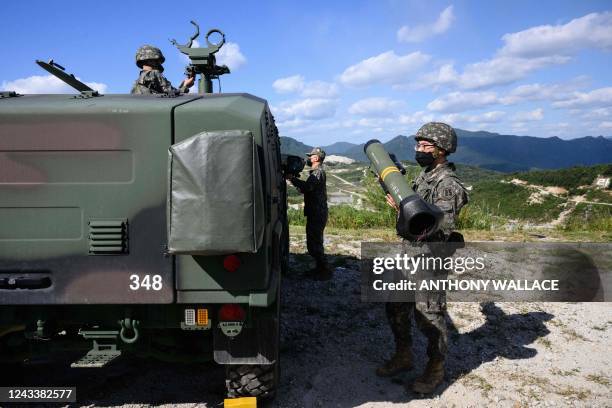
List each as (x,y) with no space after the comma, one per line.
(311,89)
(462,101)
(500,70)
(320,89)
(306,109)
(536,114)
(540,92)
(377,106)
(605,125)
(590,31)
(529,50)
(416,118)
(445,75)
(518,127)
(423,31)
(46,84)
(291,84)
(503,70)
(290,123)
(231,56)
(373,122)
(559,129)
(387,67)
(599,113)
(598,97)
(487,117)
(480,119)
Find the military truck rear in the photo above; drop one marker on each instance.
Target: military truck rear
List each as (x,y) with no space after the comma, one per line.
(130,223)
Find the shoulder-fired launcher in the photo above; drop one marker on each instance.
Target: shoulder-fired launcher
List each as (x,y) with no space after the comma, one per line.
(417,219)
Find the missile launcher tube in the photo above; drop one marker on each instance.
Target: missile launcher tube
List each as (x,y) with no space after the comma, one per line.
(417,219)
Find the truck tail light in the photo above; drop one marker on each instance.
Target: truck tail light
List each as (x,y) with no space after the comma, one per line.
(232,313)
(202,317)
(231,263)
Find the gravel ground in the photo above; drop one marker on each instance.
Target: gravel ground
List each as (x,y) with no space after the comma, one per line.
(503,354)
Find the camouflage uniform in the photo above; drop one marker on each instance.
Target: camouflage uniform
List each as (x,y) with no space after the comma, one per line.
(153,81)
(439,186)
(315,210)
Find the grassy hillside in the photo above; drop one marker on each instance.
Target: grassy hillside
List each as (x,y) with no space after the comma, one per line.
(512,201)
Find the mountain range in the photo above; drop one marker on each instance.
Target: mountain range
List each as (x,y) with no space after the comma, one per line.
(507,153)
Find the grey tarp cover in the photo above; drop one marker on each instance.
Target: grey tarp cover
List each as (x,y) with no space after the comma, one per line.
(215,202)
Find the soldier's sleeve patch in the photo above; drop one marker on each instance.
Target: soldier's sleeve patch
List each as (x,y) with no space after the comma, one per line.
(447,193)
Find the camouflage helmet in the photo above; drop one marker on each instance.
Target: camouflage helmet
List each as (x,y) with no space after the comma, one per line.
(147,53)
(440,134)
(318,152)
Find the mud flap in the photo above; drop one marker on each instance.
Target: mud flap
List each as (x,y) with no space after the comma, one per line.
(254,345)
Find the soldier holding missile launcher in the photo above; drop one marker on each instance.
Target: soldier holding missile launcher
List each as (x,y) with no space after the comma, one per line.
(437,185)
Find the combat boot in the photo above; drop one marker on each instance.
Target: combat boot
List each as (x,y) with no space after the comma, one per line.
(431,378)
(402,360)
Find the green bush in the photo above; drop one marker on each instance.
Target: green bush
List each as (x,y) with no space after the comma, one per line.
(598,195)
(347,217)
(589,217)
(476,216)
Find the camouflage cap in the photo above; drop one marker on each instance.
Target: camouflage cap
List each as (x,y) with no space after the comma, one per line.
(317,151)
(147,53)
(440,134)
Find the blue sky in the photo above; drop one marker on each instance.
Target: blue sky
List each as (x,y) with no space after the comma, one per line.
(348,70)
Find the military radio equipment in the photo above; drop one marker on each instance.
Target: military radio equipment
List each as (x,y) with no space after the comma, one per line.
(151,225)
(203,60)
(417,219)
(292,165)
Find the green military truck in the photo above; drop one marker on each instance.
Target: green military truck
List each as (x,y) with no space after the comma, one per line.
(151,224)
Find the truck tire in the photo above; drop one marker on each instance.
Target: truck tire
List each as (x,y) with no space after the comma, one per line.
(258,381)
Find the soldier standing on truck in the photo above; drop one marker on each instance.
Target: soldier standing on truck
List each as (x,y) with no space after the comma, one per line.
(315,210)
(151,80)
(439,185)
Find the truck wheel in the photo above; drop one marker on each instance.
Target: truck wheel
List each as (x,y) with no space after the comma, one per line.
(258,381)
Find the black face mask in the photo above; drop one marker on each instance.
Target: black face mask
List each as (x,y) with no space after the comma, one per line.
(308,162)
(424,159)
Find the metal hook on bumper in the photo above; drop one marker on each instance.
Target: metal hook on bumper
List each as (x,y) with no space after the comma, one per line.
(129,325)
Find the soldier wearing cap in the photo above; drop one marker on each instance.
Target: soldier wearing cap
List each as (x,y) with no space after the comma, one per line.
(439,185)
(315,210)
(151,80)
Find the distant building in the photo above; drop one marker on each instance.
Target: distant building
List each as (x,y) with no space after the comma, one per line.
(602,182)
